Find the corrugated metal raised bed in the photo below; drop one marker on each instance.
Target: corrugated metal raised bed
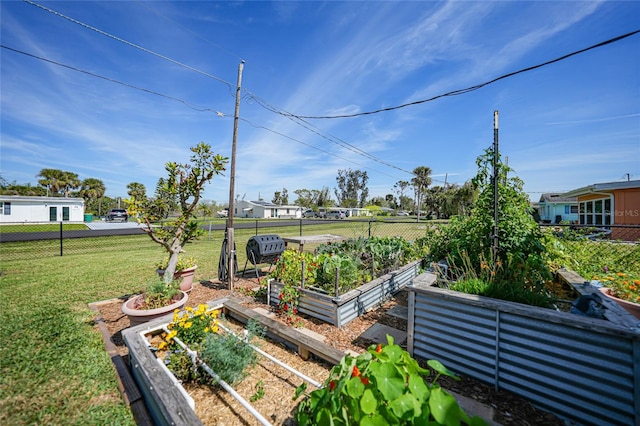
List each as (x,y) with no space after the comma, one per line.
(583,369)
(343,309)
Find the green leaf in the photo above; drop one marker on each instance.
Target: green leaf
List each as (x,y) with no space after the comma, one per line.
(418,388)
(354,387)
(444,407)
(374,420)
(300,390)
(388,380)
(368,403)
(405,407)
(324,417)
(440,368)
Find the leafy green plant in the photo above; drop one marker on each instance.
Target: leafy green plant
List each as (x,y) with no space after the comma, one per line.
(259,394)
(230,356)
(288,301)
(467,240)
(383,386)
(183,263)
(159,293)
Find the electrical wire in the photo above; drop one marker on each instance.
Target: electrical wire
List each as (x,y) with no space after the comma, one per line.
(468,89)
(128,43)
(142,89)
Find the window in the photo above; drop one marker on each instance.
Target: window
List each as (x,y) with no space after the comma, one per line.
(6,208)
(65,213)
(595,212)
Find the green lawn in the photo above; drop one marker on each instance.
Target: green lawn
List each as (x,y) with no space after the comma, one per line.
(54,368)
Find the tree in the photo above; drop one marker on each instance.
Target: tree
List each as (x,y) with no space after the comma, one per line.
(390,201)
(184,184)
(281,198)
(91,189)
(400,187)
(420,182)
(311,198)
(352,188)
(70,181)
(137,190)
(52,180)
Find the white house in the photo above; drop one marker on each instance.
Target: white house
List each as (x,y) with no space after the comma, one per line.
(265,210)
(18,208)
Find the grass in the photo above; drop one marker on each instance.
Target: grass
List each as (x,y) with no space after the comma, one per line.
(54,368)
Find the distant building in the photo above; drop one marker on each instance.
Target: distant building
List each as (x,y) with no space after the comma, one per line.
(18,208)
(556,208)
(612,203)
(266,210)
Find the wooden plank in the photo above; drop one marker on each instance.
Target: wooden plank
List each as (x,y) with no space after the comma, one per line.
(279,331)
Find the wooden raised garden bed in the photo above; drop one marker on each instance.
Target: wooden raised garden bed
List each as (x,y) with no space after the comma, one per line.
(169,403)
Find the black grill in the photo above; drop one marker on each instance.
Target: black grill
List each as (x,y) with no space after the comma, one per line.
(264,249)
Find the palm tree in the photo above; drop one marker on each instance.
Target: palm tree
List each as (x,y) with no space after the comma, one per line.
(420,182)
(70,181)
(52,179)
(137,190)
(92,189)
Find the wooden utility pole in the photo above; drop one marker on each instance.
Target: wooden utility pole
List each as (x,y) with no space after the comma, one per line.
(232,182)
(494,237)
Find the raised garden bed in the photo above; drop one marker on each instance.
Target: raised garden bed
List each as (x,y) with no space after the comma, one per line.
(170,403)
(340,310)
(583,369)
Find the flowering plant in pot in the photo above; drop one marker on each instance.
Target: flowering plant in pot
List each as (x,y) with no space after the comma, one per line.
(623,287)
(185,271)
(180,191)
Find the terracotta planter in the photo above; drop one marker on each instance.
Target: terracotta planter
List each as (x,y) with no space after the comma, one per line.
(187,277)
(140,316)
(632,308)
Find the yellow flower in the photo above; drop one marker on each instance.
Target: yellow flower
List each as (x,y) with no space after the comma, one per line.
(188,324)
(162,345)
(189,309)
(171,335)
(621,274)
(215,328)
(206,329)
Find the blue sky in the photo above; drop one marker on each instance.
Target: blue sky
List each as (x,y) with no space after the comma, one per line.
(563,126)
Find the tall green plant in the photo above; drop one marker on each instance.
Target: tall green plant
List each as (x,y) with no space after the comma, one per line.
(520,248)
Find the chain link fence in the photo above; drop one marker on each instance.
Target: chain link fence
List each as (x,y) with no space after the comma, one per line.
(27,241)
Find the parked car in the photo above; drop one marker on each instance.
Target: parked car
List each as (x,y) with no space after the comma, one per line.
(309,213)
(117,215)
(336,215)
(222,213)
(403,213)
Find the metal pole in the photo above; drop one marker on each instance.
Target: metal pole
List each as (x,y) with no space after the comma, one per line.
(232,182)
(494,237)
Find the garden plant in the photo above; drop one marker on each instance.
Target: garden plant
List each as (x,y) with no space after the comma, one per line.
(382,386)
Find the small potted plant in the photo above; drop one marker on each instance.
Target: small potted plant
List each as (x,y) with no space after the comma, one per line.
(185,271)
(159,298)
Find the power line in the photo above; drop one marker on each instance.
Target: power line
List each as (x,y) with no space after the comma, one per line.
(311,146)
(142,89)
(128,43)
(468,89)
(182,101)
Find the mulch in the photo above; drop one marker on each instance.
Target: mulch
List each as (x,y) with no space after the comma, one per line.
(508,409)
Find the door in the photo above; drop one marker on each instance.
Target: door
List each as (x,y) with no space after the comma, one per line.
(53,214)
(65,213)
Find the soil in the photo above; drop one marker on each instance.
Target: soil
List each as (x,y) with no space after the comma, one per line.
(507,408)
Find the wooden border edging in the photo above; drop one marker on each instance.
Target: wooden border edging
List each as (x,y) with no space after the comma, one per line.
(280,332)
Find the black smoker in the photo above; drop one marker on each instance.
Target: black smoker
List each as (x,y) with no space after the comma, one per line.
(263,249)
